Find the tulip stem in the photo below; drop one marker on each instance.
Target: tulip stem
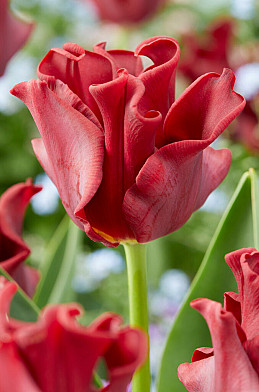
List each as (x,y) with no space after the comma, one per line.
(138,306)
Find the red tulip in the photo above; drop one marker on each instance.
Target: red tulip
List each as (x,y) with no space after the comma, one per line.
(129,163)
(211,54)
(57,354)
(233,363)
(246,129)
(127,11)
(13,34)
(14,250)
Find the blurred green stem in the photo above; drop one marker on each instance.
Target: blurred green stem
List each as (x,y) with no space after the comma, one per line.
(97,380)
(138,306)
(124,38)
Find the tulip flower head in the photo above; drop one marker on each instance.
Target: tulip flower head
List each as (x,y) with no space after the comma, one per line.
(13,34)
(126,11)
(209,55)
(14,250)
(233,363)
(246,129)
(57,354)
(130,162)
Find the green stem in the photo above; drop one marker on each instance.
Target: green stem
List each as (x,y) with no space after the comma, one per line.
(97,380)
(124,35)
(138,307)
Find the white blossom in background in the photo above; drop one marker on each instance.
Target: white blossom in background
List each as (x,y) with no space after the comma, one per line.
(93,268)
(243,9)
(174,284)
(19,68)
(46,201)
(216,202)
(247,80)
(163,305)
(212,6)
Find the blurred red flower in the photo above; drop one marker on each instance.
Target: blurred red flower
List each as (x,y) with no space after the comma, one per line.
(214,54)
(127,11)
(233,363)
(207,54)
(14,250)
(57,354)
(246,129)
(129,162)
(13,34)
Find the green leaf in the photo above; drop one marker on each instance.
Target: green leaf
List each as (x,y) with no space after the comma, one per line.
(237,229)
(22,307)
(62,290)
(57,271)
(52,263)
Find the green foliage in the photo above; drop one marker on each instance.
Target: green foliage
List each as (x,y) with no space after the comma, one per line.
(57,271)
(52,263)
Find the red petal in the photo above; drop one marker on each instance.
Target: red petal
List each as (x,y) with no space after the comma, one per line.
(126,354)
(252,349)
(13,249)
(94,236)
(245,267)
(8,326)
(205,109)
(106,322)
(120,59)
(104,211)
(70,350)
(198,376)
(233,260)
(72,148)
(232,304)
(177,179)
(159,79)
(78,69)
(140,129)
(129,141)
(14,376)
(7,291)
(27,277)
(60,354)
(233,369)
(68,345)
(171,185)
(202,353)
(128,60)
(13,32)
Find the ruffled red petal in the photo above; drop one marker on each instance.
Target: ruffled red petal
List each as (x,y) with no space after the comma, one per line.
(13,32)
(14,250)
(59,355)
(232,369)
(177,178)
(72,146)
(159,78)
(245,267)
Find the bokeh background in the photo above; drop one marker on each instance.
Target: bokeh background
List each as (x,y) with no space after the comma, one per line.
(212,34)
